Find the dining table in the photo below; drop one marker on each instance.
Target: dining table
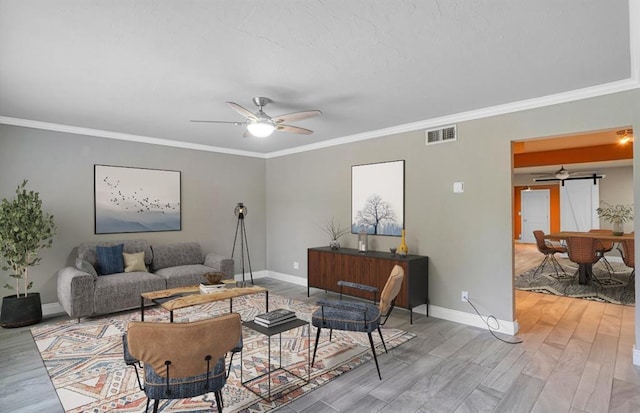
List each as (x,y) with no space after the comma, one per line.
(586,270)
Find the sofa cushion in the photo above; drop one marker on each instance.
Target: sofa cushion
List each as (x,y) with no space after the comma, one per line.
(172,255)
(85,266)
(134,262)
(87,250)
(183,275)
(110,259)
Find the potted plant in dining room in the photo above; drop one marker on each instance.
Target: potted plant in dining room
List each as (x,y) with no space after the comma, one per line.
(24,230)
(335,232)
(616,215)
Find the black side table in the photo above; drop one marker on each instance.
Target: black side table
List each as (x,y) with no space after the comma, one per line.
(269,332)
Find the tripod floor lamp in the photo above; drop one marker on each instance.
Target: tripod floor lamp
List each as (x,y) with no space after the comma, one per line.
(241,211)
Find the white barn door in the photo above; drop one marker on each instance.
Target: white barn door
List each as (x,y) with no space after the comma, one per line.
(579,200)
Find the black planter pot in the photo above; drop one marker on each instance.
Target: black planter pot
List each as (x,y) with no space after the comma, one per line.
(22,311)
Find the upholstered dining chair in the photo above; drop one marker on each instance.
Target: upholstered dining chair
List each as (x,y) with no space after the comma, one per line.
(358,316)
(584,252)
(604,246)
(182,360)
(549,250)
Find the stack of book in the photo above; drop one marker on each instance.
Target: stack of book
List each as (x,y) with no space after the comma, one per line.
(274,318)
(211,288)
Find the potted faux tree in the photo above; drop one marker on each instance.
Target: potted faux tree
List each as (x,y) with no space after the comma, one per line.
(616,215)
(335,232)
(24,230)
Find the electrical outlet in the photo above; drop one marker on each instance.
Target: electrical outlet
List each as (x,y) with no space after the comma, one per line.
(296,265)
(465,296)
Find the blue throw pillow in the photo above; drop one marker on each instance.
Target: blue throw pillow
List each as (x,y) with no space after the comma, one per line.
(110,259)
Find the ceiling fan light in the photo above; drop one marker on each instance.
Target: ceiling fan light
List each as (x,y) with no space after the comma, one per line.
(261,129)
(625,136)
(564,174)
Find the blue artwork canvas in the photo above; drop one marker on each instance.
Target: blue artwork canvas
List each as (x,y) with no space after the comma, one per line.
(136,200)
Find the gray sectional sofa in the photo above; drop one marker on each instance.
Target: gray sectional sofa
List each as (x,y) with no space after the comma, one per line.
(83,292)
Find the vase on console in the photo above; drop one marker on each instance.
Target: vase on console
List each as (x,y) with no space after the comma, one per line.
(335,232)
(402,248)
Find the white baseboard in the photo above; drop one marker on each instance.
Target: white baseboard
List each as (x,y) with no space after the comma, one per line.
(506,327)
(52,309)
(247,276)
(636,355)
(292,279)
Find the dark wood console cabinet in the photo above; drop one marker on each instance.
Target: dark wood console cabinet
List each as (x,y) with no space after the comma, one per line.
(325,267)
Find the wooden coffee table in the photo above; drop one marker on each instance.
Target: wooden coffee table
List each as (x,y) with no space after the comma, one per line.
(182,297)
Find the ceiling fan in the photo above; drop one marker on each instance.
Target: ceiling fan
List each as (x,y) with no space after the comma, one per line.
(261,125)
(563,174)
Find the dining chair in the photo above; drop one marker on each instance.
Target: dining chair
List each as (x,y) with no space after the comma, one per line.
(583,251)
(549,250)
(629,257)
(604,246)
(182,360)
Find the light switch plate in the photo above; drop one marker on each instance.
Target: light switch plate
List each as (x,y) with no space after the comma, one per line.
(458,187)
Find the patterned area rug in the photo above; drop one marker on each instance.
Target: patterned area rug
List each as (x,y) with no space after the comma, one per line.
(86,367)
(613,288)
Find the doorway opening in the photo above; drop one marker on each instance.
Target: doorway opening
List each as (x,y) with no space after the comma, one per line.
(577,172)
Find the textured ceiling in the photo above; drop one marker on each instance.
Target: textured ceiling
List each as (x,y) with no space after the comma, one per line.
(145,68)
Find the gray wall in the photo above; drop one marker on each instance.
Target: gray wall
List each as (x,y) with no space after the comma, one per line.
(467,236)
(60,167)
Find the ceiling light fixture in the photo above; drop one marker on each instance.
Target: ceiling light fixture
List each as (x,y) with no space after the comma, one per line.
(625,135)
(261,128)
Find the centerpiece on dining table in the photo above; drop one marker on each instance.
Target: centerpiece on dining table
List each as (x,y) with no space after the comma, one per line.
(615,214)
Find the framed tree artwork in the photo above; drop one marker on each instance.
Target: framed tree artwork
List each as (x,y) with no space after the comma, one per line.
(377,198)
(136,200)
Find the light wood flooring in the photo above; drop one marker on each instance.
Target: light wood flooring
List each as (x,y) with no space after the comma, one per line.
(575,357)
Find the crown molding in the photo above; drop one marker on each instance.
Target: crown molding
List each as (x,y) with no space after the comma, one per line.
(571,96)
(633,82)
(35,124)
(574,95)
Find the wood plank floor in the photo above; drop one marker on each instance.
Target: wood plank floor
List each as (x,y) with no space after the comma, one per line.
(575,357)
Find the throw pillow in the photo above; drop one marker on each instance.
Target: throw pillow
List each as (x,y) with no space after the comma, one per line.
(110,259)
(134,262)
(84,265)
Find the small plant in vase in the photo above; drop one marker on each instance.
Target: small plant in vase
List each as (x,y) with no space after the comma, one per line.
(616,215)
(335,232)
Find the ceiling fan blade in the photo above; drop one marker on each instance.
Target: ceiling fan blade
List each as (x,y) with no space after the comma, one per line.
(290,117)
(293,129)
(244,112)
(217,121)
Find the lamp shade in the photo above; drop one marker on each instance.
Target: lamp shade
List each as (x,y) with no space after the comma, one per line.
(240,210)
(261,129)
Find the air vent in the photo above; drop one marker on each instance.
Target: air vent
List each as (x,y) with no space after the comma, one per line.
(445,134)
